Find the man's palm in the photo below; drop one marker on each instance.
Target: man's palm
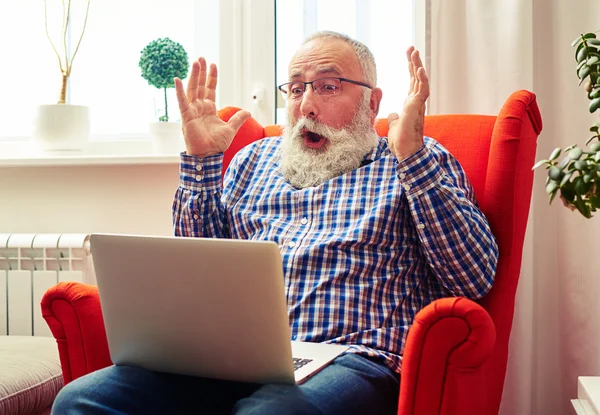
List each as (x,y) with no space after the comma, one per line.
(204,132)
(406,130)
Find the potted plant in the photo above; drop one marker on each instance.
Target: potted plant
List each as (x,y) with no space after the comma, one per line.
(577,176)
(161,61)
(63,126)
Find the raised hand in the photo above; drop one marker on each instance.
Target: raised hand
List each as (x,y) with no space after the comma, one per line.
(405,134)
(204,132)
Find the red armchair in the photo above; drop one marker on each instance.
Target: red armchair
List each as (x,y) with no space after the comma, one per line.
(456,352)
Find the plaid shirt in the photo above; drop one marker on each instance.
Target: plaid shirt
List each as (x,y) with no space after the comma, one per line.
(363,252)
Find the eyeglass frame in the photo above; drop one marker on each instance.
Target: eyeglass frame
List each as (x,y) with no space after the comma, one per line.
(350,81)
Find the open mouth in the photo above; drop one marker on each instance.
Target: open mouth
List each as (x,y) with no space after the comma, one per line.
(313,140)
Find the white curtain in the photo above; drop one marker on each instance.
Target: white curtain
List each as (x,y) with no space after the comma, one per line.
(478,53)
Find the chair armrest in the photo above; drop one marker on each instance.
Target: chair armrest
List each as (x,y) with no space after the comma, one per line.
(72,311)
(446,348)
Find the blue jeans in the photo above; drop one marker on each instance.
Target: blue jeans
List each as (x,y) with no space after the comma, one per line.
(351,384)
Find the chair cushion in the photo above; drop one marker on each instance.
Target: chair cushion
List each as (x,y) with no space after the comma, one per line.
(30,374)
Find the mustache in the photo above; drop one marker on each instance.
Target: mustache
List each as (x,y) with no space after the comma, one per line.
(304,125)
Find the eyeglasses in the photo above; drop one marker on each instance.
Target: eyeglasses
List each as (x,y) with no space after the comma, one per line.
(322,86)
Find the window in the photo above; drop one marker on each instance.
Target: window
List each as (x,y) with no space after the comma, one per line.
(385,26)
(105,75)
(239,36)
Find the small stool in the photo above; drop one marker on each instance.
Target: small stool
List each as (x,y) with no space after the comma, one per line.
(30,374)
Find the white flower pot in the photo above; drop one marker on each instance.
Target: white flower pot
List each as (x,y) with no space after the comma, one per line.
(62,127)
(166,137)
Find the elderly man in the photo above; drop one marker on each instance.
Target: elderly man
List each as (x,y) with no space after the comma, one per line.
(371,230)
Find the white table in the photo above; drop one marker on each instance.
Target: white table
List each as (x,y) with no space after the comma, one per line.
(588,396)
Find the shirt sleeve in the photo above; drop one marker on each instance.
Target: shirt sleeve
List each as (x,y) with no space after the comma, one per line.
(197,207)
(454,234)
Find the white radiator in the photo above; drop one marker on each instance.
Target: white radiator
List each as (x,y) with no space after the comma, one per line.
(29,265)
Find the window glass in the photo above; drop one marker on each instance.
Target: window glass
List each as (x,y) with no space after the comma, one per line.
(385,26)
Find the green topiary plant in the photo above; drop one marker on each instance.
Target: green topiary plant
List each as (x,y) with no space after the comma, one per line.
(161,61)
(577,176)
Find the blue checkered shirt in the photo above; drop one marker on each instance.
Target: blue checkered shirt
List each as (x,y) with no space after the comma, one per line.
(363,252)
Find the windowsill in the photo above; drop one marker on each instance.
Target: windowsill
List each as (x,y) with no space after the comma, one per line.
(98,153)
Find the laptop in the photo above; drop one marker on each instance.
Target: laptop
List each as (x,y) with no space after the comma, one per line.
(213,308)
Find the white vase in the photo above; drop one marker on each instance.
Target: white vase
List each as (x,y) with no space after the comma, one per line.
(166,137)
(62,127)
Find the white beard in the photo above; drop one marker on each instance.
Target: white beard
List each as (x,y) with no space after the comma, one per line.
(343,151)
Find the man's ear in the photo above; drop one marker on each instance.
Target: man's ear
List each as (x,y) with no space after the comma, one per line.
(376,95)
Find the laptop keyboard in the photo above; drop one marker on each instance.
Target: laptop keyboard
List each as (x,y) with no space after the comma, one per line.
(299,362)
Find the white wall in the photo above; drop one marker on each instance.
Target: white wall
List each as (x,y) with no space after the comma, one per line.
(125,199)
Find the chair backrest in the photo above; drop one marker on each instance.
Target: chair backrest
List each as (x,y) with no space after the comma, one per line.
(497,153)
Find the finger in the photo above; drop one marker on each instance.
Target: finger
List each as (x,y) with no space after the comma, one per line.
(416,60)
(181,98)
(411,69)
(211,83)
(192,86)
(238,119)
(423,87)
(202,79)
(392,117)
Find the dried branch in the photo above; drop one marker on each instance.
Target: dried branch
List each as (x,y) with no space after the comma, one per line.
(65,32)
(49,38)
(87,11)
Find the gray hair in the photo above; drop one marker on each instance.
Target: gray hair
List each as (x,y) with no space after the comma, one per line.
(364,55)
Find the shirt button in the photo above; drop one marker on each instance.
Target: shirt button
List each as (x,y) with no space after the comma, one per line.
(304,221)
(196,217)
(421,226)
(198,167)
(406,187)
(292,244)
(402,175)
(198,177)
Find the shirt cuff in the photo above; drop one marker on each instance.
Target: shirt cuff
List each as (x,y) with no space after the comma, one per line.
(419,172)
(199,174)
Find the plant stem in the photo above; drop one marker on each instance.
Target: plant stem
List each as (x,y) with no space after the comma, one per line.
(166,118)
(63,89)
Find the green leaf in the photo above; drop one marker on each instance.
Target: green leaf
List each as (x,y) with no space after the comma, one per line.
(593,41)
(583,208)
(551,187)
(595,104)
(587,178)
(555,153)
(575,154)
(595,146)
(582,54)
(581,187)
(593,60)
(583,72)
(555,173)
(539,163)
(576,41)
(580,165)
(565,179)
(565,162)
(589,36)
